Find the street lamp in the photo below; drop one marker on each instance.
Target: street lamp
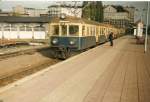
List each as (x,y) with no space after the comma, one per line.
(145,49)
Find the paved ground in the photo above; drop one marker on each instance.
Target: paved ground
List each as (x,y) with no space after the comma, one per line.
(103,74)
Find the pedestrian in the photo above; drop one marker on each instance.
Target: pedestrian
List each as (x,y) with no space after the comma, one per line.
(111,38)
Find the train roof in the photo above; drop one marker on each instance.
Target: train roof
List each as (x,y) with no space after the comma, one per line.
(74,20)
(79,20)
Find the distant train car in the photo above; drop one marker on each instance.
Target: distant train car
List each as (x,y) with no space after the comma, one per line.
(77,33)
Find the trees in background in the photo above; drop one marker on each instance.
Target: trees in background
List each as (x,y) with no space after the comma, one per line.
(93,10)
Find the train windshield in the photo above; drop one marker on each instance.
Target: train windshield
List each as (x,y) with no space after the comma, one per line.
(64,30)
(55,30)
(73,30)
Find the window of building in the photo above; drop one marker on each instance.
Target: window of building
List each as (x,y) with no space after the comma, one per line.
(74,29)
(28,28)
(22,28)
(36,28)
(42,29)
(7,28)
(13,28)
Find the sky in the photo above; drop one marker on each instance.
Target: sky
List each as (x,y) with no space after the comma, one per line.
(6,5)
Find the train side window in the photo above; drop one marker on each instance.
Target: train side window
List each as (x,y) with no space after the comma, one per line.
(64,30)
(83,31)
(74,30)
(91,31)
(100,31)
(97,31)
(87,31)
(55,30)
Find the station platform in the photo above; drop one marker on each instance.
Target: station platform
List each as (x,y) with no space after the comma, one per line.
(103,74)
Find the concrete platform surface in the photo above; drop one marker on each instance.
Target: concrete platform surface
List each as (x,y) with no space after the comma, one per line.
(103,74)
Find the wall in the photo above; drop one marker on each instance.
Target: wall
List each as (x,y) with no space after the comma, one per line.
(7,31)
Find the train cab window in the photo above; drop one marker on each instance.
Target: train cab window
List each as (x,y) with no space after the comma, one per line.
(64,30)
(55,30)
(74,30)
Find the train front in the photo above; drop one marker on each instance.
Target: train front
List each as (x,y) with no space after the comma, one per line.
(64,33)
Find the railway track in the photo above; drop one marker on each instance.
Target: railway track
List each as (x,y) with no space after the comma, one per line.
(22,52)
(28,70)
(13,75)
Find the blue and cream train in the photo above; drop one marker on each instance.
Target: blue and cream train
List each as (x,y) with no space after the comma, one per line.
(78,33)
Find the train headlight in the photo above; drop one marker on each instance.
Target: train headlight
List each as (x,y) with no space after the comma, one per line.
(72,42)
(55,41)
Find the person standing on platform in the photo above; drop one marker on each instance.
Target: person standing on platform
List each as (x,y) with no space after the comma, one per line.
(111,38)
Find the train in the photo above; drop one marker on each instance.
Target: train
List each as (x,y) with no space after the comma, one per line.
(72,33)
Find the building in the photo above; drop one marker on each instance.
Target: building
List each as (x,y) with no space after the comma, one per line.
(117,16)
(24,28)
(31,12)
(131,11)
(57,10)
(18,9)
(34,12)
(5,13)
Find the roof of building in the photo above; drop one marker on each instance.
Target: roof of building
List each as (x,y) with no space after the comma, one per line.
(14,19)
(119,8)
(68,6)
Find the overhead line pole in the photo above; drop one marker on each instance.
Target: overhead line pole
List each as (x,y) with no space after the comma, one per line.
(145,49)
